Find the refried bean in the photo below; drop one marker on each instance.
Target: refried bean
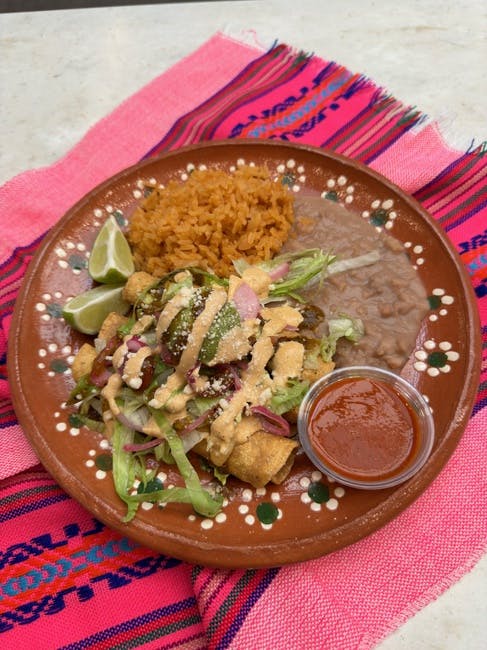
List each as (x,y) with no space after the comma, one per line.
(387,296)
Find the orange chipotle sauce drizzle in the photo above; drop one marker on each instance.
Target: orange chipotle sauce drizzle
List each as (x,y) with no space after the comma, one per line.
(363,429)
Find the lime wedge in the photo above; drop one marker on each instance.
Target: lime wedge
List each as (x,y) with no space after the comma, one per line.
(87,311)
(111,258)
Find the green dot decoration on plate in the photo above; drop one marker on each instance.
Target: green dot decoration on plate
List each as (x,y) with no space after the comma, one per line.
(58,365)
(318,492)
(75,420)
(267,513)
(288,179)
(153,485)
(104,462)
(331,196)
(434,301)
(379,217)
(54,310)
(437,359)
(77,262)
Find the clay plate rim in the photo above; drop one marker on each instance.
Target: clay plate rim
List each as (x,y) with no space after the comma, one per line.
(258,555)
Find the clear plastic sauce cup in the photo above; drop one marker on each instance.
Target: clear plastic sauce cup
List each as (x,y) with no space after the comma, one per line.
(366,427)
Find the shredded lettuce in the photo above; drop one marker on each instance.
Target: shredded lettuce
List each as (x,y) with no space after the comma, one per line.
(199,405)
(240,265)
(126,328)
(206,278)
(349,264)
(128,400)
(133,408)
(84,390)
(127,467)
(220,475)
(203,502)
(217,472)
(285,399)
(304,266)
(124,467)
(172,288)
(350,328)
(339,266)
(163,453)
(89,423)
(86,396)
(167,495)
(307,268)
(161,375)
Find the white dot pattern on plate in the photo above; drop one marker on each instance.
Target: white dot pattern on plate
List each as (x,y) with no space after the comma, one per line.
(206,524)
(247,495)
(435,359)
(304,482)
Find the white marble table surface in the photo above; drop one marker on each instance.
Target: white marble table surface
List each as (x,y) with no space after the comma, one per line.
(62,71)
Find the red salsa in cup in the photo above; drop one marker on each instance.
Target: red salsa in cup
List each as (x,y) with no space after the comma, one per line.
(363,429)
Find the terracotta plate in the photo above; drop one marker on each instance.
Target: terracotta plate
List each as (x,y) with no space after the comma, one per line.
(257,528)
